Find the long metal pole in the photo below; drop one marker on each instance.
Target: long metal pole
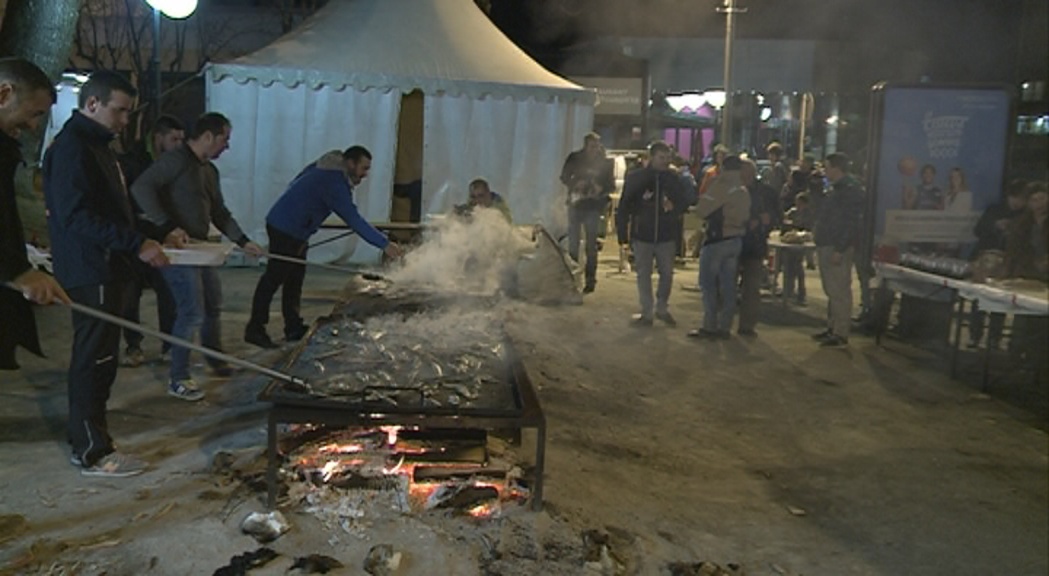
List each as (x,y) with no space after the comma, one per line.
(726,110)
(156,63)
(174,340)
(303,262)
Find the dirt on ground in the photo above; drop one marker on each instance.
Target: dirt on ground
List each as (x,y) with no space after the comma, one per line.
(760,455)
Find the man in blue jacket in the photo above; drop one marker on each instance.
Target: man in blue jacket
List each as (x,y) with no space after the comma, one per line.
(648,217)
(94,244)
(323,187)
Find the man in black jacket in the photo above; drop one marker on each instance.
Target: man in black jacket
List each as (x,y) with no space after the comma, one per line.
(764,216)
(992,232)
(647,217)
(94,243)
(837,228)
(588,174)
(26,94)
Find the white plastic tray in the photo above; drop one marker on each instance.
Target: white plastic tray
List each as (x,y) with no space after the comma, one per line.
(203,254)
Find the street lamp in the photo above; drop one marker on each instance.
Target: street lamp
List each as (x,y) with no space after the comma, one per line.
(176,10)
(730,10)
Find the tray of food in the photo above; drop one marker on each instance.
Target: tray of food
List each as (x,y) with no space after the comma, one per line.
(200,254)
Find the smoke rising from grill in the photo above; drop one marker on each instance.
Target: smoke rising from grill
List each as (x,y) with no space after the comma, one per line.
(464,254)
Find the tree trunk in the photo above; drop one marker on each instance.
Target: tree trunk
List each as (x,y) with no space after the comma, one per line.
(40,31)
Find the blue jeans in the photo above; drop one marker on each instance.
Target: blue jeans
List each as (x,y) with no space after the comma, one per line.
(198,301)
(663,255)
(718,266)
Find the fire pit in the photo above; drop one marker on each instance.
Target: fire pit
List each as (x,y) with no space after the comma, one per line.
(421,365)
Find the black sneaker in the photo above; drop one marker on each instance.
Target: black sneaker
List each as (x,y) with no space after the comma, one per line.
(666,318)
(295,334)
(834,341)
(823,335)
(260,339)
(749,332)
(703,334)
(588,289)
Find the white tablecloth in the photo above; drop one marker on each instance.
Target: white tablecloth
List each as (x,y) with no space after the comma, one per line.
(991,298)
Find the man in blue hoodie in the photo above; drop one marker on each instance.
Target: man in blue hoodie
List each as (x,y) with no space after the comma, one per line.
(323,187)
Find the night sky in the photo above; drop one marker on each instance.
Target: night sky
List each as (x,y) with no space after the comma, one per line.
(966,40)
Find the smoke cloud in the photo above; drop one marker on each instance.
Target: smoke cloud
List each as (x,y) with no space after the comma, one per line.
(475,254)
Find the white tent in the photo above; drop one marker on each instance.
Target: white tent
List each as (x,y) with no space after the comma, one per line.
(339,78)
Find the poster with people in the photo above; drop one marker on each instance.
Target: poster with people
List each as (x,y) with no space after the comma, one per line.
(939,160)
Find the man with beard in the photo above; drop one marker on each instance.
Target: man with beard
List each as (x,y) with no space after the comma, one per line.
(323,187)
(180,195)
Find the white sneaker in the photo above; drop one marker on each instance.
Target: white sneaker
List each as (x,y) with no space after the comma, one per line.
(116,465)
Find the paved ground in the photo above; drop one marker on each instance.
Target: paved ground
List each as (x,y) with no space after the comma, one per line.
(768,452)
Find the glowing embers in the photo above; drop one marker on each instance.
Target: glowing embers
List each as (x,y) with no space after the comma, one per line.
(416,469)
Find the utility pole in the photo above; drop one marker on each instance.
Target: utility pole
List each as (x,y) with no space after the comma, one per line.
(730,10)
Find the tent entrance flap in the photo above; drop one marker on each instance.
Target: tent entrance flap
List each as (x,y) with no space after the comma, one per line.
(408,169)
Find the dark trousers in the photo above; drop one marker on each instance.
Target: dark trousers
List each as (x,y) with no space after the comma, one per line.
(285,276)
(588,218)
(92,370)
(148,276)
(793,262)
(751,271)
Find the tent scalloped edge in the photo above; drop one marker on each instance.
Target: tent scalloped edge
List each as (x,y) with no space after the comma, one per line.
(316,79)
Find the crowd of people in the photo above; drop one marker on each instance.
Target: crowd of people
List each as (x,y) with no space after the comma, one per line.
(111,219)
(741,206)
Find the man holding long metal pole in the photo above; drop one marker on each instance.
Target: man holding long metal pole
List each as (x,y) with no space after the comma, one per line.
(181,192)
(323,187)
(26,94)
(94,242)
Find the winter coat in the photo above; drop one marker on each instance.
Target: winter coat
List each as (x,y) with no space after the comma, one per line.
(320,189)
(90,220)
(840,214)
(19,325)
(725,206)
(592,175)
(180,190)
(641,214)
